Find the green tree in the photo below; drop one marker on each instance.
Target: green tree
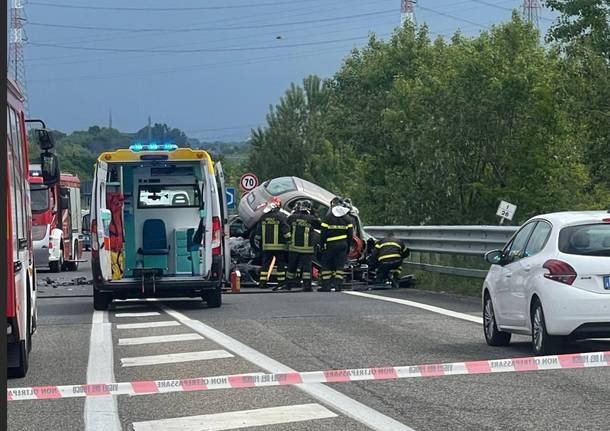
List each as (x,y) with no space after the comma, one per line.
(293,141)
(583,31)
(582,22)
(162,133)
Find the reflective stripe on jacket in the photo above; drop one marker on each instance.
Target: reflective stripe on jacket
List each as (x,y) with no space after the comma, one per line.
(390,248)
(274,231)
(302,225)
(337,229)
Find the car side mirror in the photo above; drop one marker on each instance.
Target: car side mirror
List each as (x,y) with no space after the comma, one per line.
(49,165)
(495,257)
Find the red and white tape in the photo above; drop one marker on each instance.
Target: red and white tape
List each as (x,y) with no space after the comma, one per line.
(536,363)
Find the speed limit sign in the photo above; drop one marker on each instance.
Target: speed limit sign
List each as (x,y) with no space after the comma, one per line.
(248,182)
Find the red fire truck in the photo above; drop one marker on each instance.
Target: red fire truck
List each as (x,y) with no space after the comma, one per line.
(21,280)
(56,219)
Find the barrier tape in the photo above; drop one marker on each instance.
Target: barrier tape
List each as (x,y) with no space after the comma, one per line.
(536,363)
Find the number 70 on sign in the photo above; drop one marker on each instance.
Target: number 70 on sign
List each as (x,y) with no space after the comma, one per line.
(248,182)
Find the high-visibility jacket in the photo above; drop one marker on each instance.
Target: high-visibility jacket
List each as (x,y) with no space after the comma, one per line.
(336,229)
(390,249)
(273,231)
(302,225)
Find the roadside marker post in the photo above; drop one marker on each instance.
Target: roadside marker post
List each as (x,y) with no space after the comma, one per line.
(506,211)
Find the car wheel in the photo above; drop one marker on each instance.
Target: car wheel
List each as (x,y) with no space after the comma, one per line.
(213,299)
(493,336)
(73,266)
(101,301)
(57,265)
(543,343)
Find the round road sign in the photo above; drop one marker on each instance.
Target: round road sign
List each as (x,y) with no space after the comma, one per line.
(248,182)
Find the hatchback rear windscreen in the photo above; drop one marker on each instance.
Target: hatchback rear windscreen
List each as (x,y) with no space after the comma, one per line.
(586,240)
(281,185)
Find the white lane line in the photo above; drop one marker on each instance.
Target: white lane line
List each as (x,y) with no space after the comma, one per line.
(332,398)
(239,419)
(158,339)
(432,308)
(101,413)
(173,358)
(146,325)
(151,313)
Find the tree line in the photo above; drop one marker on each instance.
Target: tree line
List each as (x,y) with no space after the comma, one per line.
(424,131)
(79,150)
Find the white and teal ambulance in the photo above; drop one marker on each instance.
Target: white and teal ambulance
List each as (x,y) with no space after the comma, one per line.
(158,219)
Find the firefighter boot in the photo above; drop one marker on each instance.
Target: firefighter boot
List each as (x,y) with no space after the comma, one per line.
(307,286)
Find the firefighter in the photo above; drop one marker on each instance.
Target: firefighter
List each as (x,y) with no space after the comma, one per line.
(301,245)
(336,240)
(388,255)
(274,233)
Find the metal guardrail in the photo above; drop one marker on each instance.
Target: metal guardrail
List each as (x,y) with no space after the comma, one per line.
(453,240)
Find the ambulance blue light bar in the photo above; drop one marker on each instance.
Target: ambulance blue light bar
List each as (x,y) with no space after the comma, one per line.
(136,148)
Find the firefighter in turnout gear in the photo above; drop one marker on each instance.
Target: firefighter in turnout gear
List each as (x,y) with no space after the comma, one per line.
(274,233)
(336,240)
(301,245)
(389,253)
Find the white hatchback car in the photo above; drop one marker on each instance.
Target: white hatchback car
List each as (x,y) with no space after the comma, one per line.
(551,280)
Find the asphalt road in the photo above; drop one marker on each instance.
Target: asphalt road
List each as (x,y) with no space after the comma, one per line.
(299,331)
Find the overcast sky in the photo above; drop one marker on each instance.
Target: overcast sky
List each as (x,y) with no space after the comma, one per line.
(221,62)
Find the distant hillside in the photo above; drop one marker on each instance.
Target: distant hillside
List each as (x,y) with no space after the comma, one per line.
(79,150)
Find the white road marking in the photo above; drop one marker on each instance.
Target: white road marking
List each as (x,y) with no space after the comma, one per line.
(335,399)
(101,413)
(146,325)
(158,339)
(239,419)
(432,308)
(173,358)
(151,313)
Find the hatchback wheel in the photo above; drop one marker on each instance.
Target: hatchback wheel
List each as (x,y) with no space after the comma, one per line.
(543,343)
(493,336)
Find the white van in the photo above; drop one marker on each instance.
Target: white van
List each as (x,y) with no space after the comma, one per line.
(158,225)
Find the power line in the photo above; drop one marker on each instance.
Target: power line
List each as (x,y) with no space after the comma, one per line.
(256,60)
(186,30)
(497,6)
(457,18)
(164,9)
(248,37)
(249,19)
(193,51)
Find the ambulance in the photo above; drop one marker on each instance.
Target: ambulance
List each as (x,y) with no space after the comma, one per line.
(158,225)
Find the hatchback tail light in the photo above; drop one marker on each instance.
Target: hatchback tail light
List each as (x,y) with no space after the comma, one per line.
(216,234)
(559,271)
(50,244)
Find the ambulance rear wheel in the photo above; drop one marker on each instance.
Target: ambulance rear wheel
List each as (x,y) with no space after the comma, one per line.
(213,299)
(101,301)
